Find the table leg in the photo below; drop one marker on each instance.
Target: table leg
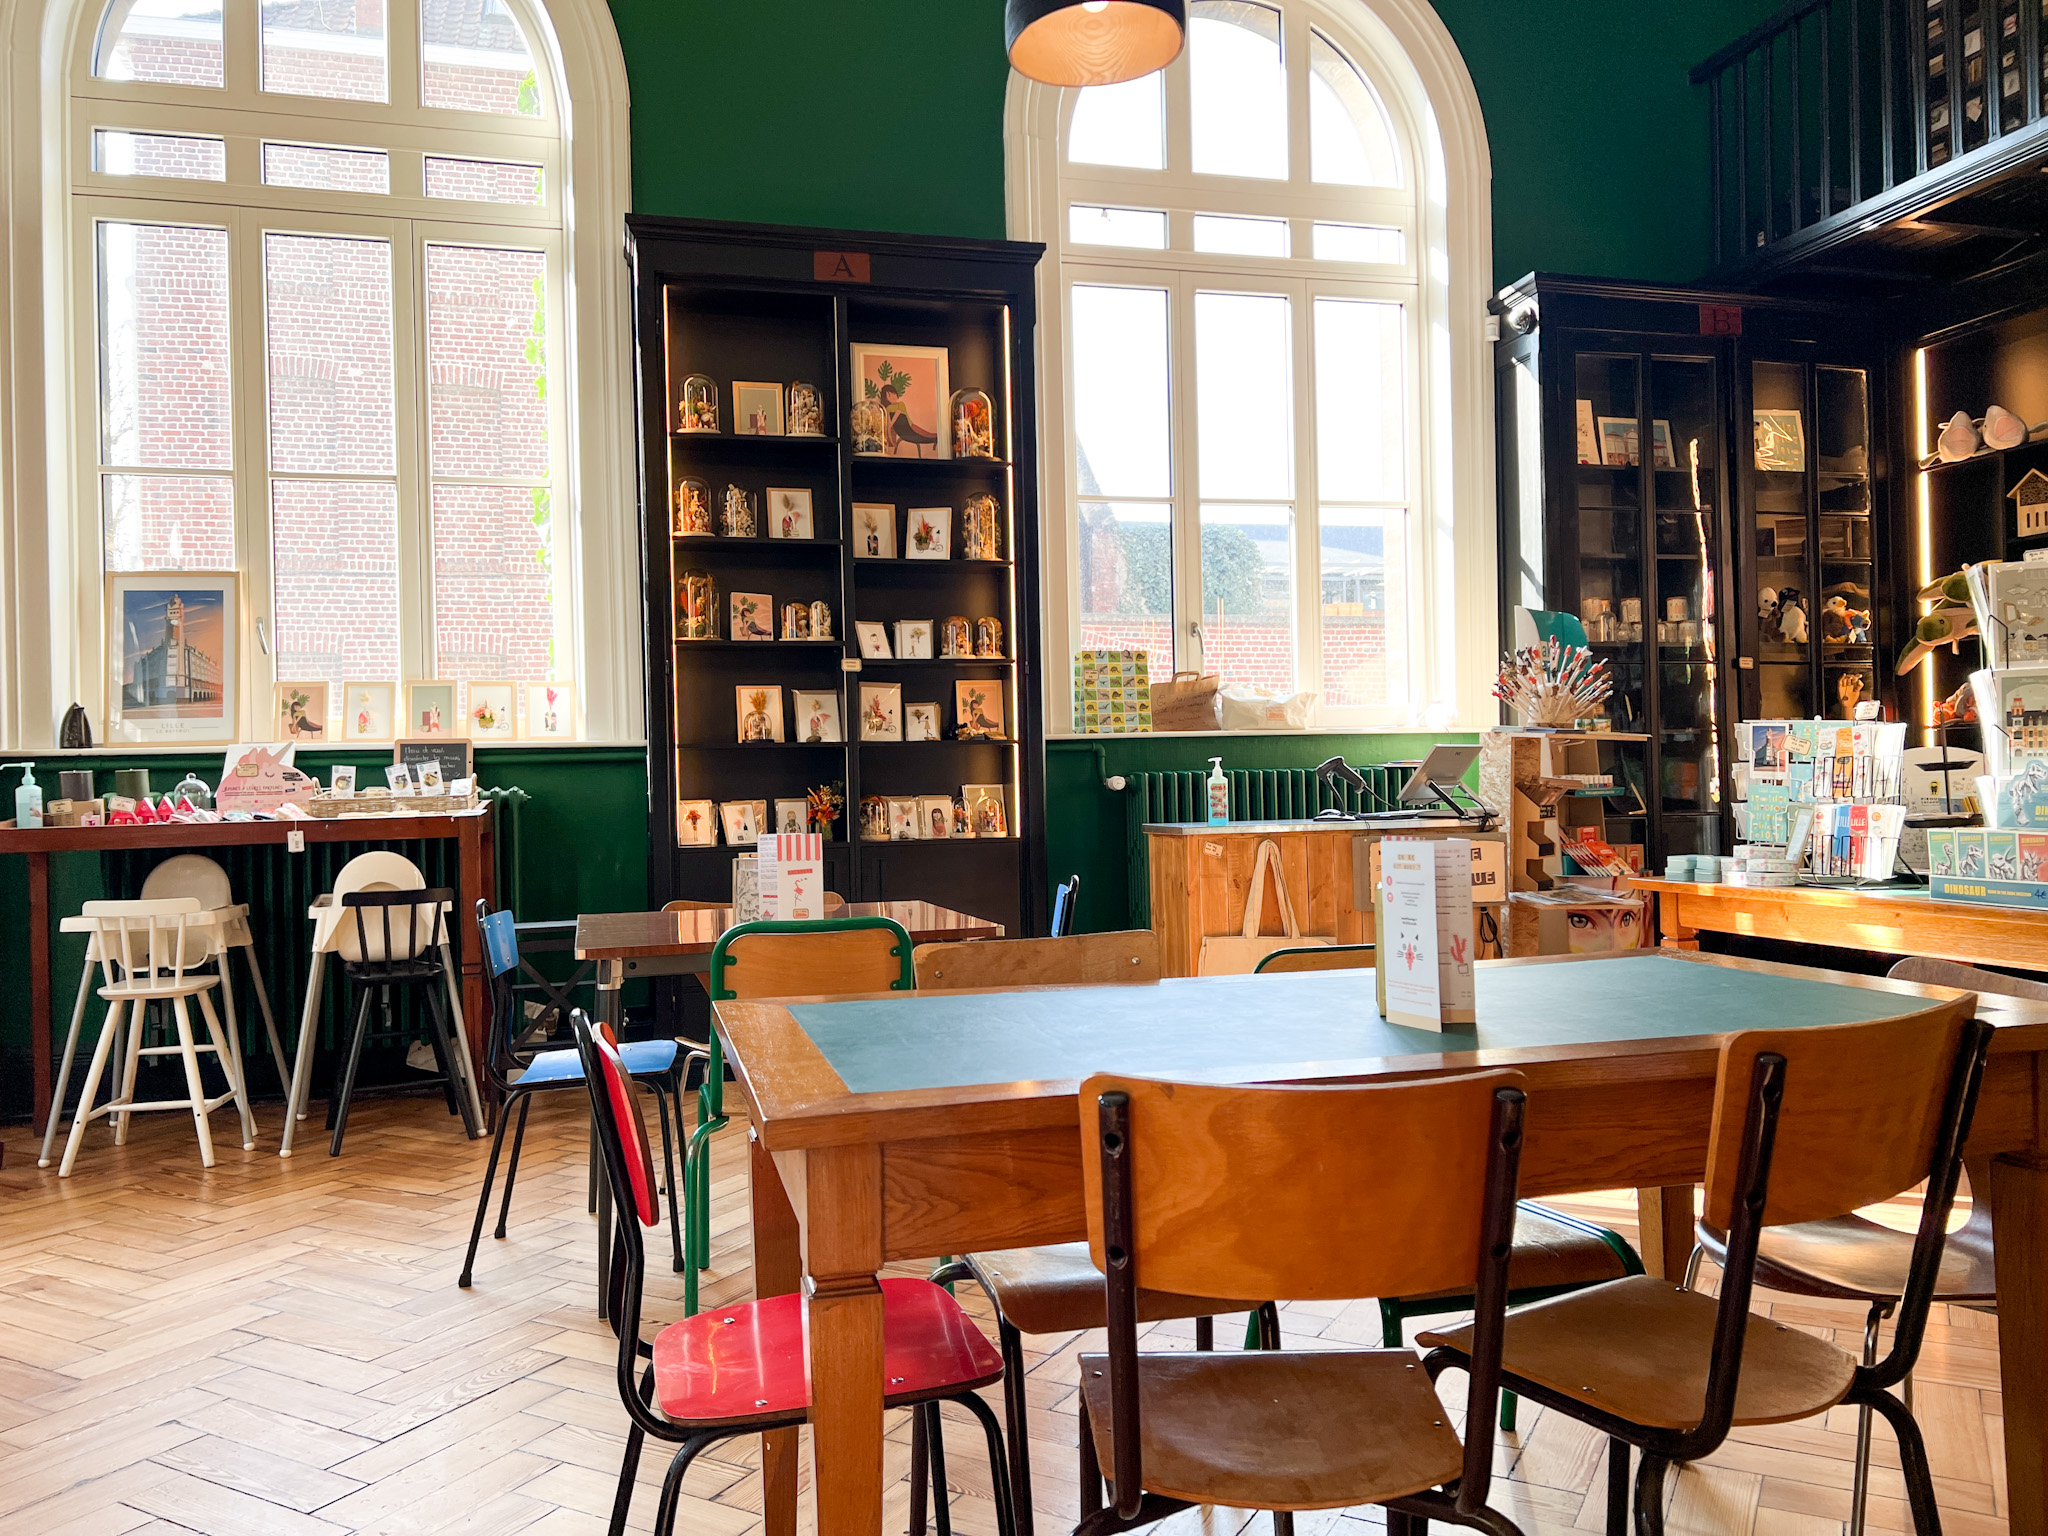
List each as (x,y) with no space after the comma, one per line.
(778,1270)
(39,980)
(302,1058)
(1664,1229)
(843,1328)
(2019,1220)
(466,1059)
(1675,935)
(611,982)
(476,878)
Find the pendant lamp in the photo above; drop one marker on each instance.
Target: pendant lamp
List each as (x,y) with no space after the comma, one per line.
(1093,42)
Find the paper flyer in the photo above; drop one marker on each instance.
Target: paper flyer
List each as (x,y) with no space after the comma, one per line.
(1406,924)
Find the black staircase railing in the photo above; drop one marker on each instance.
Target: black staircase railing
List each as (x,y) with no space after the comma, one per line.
(1832,104)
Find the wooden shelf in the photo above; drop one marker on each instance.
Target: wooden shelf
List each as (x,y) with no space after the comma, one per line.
(937,661)
(924,465)
(759,645)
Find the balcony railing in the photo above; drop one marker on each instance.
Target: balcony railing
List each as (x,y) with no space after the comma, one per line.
(1825,116)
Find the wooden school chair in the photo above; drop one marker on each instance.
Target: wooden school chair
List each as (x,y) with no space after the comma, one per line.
(1411,1189)
(1065,899)
(1850,1258)
(1808,1124)
(519,1072)
(1317,957)
(741,1370)
(145,949)
(1087,959)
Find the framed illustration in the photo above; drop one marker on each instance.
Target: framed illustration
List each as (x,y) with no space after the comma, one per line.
(921,722)
(1620,442)
(757,409)
(742,822)
(367,710)
(874,639)
(874,530)
(298,711)
(1663,451)
(174,656)
(928,533)
(753,616)
(903,823)
(900,395)
(817,717)
(430,709)
(793,815)
(696,823)
(913,639)
(760,711)
(550,711)
(881,711)
(1589,437)
(1780,441)
(789,512)
(934,816)
(978,709)
(491,706)
(987,808)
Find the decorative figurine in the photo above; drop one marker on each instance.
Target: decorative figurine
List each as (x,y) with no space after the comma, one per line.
(821,620)
(699,409)
(988,639)
(696,606)
(691,518)
(739,519)
(806,411)
(956,637)
(796,621)
(963,824)
(988,818)
(874,819)
(1849,690)
(974,424)
(981,528)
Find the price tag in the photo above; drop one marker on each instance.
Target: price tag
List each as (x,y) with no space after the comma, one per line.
(295,840)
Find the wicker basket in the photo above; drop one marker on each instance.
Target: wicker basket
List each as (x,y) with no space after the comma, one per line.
(327,807)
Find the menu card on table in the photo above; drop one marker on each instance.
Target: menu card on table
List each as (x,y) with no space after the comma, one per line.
(1423,924)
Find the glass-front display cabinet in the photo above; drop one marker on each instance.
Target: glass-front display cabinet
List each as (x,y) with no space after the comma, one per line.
(1620,410)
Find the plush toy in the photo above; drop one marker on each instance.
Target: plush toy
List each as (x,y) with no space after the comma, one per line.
(1950,619)
(1834,621)
(1791,616)
(1959,708)
(1767,613)
(1859,627)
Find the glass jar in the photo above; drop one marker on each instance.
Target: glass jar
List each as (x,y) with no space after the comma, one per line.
(691,518)
(874,819)
(806,414)
(698,411)
(957,637)
(821,620)
(195,789)
(988,639)
(696,606)
(974,424)
(740,517)
(864,424)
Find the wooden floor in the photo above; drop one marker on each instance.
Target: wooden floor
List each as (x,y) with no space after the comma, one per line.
(279,1349)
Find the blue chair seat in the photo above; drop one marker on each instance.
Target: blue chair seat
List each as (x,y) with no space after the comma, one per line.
(643,1058)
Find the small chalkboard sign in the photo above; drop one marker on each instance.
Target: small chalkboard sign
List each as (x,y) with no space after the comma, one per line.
(451,752)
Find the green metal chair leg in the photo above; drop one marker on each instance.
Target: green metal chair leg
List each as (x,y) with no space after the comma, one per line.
(1507,1412)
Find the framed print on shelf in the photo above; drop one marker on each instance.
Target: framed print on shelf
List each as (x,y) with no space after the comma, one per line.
(881,711)
(298,711)
(987,808)
(817,716)
(696,824)
(367,710)
(1663,451)
(757,409)
(900,395)
(174,656)
(550,711)
(913,639)
(490,710)
(753,616)
(789,512)
(793,816)
(1780,441)
(760,711)
(928,534)
(934,816)
(874,530)
(921,722)
(978,709)
(1620,443)
(430,709)
(903,823)
(874,639)
(742,822)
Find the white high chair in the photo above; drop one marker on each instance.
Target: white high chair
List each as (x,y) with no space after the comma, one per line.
(144,949)
(187,874)
(334,933)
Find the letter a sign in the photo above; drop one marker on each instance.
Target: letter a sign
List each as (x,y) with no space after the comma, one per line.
(839,266)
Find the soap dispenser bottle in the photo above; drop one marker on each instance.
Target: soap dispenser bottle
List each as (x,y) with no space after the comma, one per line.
(1219,794)
(28,799)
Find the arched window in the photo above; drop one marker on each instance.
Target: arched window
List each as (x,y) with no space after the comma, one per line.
(326,330)
(1253,356)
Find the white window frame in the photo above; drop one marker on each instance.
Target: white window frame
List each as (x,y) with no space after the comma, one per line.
(51,590)
(1444,213)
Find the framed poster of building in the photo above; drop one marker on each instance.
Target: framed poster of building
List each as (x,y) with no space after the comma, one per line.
(173,656)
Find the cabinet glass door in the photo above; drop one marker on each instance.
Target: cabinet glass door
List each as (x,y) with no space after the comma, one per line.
(1843,541)
(1784,550)
(1608,481)
(1684,449)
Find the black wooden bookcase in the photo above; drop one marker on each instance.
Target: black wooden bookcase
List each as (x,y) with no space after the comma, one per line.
(773,303)
(1695,516)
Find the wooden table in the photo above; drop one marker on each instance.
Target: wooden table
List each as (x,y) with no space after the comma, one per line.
(954,1129)
(630,945)
(1901,921)
(475,831)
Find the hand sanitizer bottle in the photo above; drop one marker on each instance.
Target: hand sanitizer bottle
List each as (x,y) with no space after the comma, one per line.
(1219,794)
(28,799)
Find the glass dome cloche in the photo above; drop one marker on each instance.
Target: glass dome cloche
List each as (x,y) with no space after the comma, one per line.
(692,517)
(806,415)
(696,606)
(698,411)
(974,424)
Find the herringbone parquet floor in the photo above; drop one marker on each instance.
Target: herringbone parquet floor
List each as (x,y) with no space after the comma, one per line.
(278,1348)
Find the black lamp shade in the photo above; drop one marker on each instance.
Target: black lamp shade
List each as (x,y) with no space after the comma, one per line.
(1069,42)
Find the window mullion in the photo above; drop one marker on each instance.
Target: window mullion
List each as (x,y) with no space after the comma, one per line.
(402,49)
(1188,650)
(1294,60)
(249,378)
(418,654)
(1308,576)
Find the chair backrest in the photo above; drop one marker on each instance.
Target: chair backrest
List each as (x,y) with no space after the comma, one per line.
(1064,899)
(190,874)
(1086,959)
(1317,957)
(378,870)
(1969,978)
(405,925)
(144,946)
(684,904)
(499,936)
(822,958)
(1371,1189)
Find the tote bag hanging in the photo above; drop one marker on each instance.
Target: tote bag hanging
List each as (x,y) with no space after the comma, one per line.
(1237,954)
